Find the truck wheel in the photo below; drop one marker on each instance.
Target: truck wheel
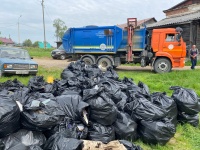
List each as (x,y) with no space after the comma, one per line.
(104,63)
(62,57)
(88,60)
(162,65)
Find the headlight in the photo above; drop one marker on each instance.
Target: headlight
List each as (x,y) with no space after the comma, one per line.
(7,66)
(33,66)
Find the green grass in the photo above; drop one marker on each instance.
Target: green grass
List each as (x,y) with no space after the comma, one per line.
(39,52)
(186,137)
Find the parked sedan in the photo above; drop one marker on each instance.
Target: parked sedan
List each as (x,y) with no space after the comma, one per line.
(59,53)
(16,61)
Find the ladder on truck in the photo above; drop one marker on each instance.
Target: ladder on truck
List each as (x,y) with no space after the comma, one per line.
(131,25)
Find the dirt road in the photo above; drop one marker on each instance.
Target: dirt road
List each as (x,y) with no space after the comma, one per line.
(49,62)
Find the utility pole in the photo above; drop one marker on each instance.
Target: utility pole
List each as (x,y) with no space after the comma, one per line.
(18,30)
(43,24)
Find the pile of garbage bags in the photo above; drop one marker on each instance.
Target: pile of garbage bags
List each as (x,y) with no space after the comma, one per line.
(88,105)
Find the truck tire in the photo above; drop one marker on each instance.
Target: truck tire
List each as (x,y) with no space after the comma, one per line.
(89,60)
(103,63)
(62,57)
(162,65)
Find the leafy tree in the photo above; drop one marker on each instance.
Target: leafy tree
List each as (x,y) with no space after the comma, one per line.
(27,43)
(35,44)
(60,28)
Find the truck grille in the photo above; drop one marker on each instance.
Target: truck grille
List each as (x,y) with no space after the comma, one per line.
(20,66)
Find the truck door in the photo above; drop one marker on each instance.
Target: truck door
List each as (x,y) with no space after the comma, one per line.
(171,45)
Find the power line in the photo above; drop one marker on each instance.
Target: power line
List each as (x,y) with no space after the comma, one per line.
(47,12)
(8,26)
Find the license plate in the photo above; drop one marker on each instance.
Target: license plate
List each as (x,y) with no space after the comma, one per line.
(22,72)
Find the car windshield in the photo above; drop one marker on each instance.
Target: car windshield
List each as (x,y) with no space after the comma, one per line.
(14,53)
(61,47)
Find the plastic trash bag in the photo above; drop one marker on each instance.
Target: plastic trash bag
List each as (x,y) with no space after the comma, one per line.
(2,146)
(156,132)
(21,95)
(73,107)
(60,141)
(143,109)
(70,128)
(11,85)
(102,108)
(191,119)
(125,127)
(9,115)
(186,100)
(113,90)
(93,71)
(163,101)
(130,145)
(41,112)
(37,84)
(67,74)
(98,132)
(111,73)
(144,88)
(24,140)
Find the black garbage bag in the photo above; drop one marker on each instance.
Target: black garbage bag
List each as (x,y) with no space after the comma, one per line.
(70,128)
(24,140)
(113,90)
(156,132)
(37,84)
(11,85)
(191,119)
(60,141)
(102,108)
(73,107)
(21,95)
(163,101)
(2,146)
(130,84)
(130,145)
(144,88)
(186,100)
(9,114)
(125,127)
(98,132)
(41,112)
(143,109)
(111,73)
(67,74)
(93,71)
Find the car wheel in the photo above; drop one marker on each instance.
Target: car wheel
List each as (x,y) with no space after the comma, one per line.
(162,65)
(62,57)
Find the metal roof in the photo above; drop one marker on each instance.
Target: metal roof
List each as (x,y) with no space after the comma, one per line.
(177,19)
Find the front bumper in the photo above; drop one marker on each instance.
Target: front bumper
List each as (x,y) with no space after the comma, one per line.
(19,72)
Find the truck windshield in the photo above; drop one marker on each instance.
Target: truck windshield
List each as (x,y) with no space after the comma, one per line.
(14,53)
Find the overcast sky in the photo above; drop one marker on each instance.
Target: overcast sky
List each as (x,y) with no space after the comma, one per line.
(75,13)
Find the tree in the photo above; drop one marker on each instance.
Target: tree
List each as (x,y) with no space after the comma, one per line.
(35,44)
(60,28)
(27,43)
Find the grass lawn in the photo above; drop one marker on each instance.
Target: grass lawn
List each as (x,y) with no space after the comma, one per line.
(186,137)
(39,52)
